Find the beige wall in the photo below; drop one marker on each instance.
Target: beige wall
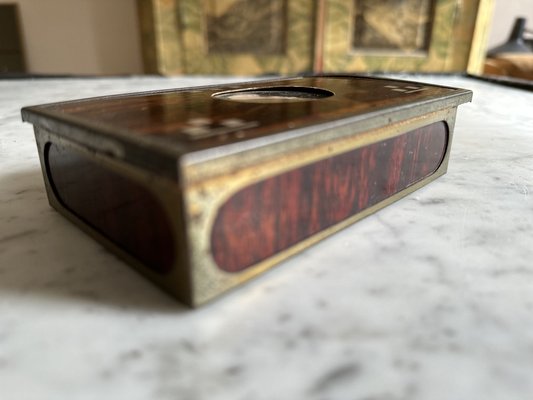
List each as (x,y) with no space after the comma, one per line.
(80,36)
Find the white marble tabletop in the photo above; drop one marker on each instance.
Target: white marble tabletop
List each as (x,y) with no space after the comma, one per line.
(430,298)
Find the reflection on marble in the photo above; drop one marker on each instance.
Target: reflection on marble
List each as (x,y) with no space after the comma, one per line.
(431,298)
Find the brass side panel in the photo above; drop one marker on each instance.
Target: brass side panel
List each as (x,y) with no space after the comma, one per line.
(177,280)
(203,199)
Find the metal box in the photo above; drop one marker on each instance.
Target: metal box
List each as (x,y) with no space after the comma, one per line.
(203,188)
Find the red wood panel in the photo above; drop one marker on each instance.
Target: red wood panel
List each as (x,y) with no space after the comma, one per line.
(276,213)
(119,208)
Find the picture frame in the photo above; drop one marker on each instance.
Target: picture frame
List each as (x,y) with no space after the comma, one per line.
(290,37)
(453,35)
(215,37)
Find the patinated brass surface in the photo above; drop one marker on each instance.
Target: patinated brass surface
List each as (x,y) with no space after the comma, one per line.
(194,149)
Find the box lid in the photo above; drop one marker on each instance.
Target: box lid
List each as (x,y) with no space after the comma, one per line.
(158,128)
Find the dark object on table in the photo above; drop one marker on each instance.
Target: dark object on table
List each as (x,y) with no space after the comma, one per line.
(514,59)
(203,188)
(515,43)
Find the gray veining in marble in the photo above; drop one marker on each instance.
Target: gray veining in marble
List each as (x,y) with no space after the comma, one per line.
(431,298)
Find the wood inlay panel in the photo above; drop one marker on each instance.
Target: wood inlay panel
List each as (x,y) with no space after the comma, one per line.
(274,214)
(120,209)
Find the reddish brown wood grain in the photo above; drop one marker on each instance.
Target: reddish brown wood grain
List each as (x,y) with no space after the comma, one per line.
(119,208)
(274,214)
(165,115)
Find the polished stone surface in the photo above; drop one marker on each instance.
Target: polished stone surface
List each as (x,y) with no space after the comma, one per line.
(430,298)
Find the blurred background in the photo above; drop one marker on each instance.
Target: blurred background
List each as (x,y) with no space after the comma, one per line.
(257,37)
